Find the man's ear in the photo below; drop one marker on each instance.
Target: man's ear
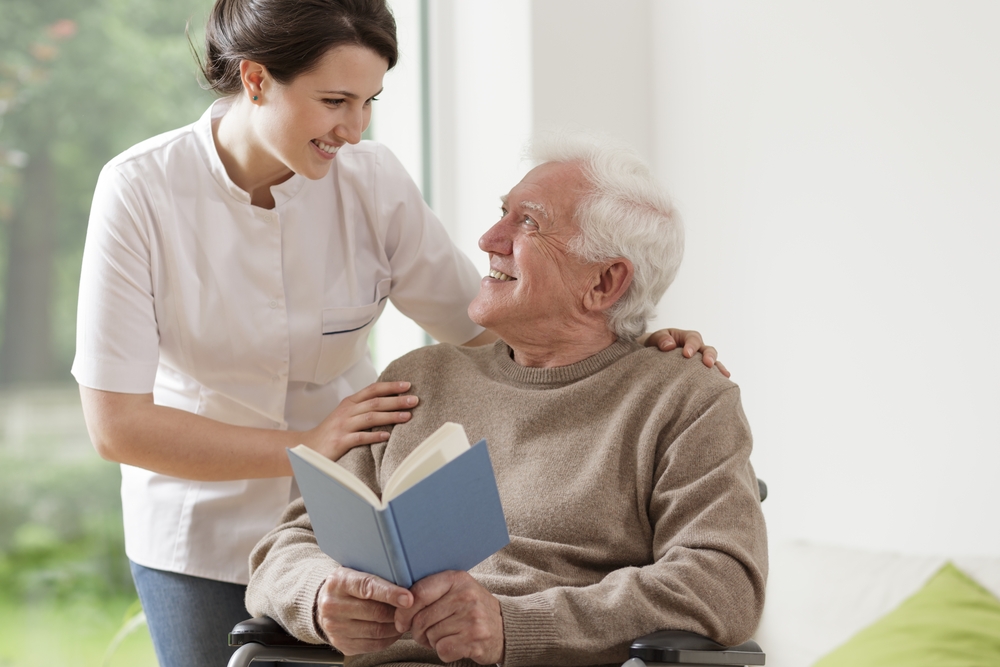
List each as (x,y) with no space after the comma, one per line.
(609,285)
(252,75)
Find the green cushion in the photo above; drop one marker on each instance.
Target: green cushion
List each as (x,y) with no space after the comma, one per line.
(952,621)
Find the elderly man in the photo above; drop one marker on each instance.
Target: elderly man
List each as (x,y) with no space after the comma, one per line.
(624,472)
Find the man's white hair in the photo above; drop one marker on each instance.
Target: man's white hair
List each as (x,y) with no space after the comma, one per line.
(627,214)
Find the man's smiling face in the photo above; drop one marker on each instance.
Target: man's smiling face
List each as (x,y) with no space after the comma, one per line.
(535,285)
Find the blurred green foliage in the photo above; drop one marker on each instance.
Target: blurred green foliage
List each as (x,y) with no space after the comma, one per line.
(65,585)
(80,81)
(61,530)
(77,633)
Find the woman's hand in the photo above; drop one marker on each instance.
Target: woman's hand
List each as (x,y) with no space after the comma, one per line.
(348,425)
(668,339)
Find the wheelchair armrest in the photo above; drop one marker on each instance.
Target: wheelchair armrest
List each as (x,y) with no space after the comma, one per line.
(666,646)
(265,631)
(262,639)
(676,646)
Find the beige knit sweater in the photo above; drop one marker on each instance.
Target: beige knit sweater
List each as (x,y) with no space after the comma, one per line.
(630,501)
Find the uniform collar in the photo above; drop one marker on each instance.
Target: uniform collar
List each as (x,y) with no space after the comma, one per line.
(206,142)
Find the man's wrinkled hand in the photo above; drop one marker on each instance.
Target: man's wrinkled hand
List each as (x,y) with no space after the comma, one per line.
(356,611)
(456,617)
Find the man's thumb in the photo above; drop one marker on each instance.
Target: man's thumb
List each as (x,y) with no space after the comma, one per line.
(370,587)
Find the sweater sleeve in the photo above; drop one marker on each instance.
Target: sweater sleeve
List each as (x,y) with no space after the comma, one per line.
(287,567)
(709,556)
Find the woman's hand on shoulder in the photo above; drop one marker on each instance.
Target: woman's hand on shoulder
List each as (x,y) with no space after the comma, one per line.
(669,339)
(350,423)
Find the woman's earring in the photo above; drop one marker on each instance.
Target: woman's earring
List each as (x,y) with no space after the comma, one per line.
(254,98)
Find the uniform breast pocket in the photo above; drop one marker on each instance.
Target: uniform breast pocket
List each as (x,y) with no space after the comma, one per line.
(345,334)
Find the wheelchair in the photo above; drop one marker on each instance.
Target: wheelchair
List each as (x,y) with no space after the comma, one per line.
(264,640)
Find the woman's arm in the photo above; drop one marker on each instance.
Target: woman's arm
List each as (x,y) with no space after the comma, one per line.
(485,338)
(131,429)
(669,339)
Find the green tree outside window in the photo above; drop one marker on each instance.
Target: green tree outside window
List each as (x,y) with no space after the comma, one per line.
(80,81)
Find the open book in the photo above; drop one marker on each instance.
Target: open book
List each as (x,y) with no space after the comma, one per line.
(440,509)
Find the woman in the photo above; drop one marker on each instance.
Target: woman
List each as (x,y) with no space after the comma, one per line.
(232,271)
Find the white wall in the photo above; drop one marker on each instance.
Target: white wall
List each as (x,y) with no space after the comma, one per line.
(481,111)
(396,119)
(592,68)
(480,65)
(838,166)
(480,72)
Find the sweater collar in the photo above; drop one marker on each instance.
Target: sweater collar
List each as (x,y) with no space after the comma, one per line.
(559,375)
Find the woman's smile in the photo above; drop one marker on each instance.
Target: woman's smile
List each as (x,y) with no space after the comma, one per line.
(326,150)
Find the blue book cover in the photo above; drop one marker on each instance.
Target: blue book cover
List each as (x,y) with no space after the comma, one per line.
(451,519)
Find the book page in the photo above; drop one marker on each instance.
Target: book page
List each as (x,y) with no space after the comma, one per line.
(441,446)
(339,473)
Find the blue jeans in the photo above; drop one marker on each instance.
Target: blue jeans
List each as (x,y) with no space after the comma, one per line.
(189,617)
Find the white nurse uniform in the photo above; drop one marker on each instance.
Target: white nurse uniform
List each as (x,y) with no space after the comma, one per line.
(248,316)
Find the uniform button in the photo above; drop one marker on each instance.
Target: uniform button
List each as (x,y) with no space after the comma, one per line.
(273,304)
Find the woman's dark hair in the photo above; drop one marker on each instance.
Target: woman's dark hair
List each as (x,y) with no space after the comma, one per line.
(289,37)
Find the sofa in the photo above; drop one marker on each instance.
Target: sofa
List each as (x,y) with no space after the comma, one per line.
(820,597)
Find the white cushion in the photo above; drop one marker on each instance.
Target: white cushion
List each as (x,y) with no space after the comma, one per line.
(985,570)
(819,596)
